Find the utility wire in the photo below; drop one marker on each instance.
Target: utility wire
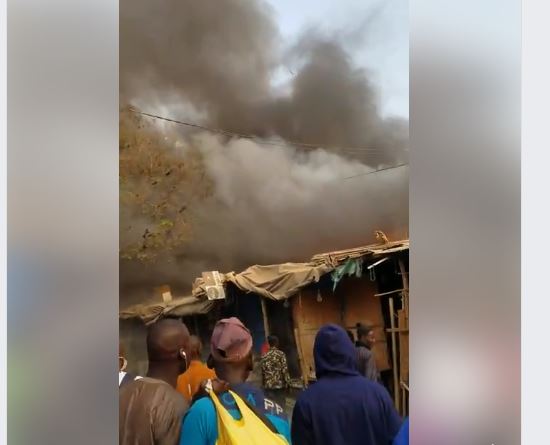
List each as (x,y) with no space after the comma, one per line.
(263,141)
(256,138)
(377,171)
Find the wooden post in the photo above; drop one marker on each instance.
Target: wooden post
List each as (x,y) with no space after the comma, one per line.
(264,314)
(404,336)
(297,319)
(394,358)
(305,376)
(403,358)
(405,293)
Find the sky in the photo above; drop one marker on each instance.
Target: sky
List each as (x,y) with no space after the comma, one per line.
(383,46)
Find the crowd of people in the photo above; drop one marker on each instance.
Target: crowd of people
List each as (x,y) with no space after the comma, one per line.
(182,400)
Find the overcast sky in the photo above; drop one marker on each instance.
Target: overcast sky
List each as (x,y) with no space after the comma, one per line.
(383,48)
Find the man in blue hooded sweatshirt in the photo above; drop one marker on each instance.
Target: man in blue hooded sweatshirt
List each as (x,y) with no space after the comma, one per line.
(342,407)
(402,437)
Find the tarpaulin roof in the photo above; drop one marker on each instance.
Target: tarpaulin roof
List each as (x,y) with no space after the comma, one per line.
(282,281)
(278,281)
(149,313)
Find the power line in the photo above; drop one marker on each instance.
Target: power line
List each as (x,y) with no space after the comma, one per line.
(371,151)
(376,171)
(265,142)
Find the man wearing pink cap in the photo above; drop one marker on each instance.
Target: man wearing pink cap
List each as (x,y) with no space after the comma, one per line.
(231,356)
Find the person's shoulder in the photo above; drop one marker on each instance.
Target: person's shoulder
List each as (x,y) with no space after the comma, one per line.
(165,394)
(134,386)
(202,406)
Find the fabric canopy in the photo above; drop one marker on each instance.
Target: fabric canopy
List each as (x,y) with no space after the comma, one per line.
(179,307)
(277,282)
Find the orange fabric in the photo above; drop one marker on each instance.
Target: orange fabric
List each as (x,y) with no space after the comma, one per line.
(189,382)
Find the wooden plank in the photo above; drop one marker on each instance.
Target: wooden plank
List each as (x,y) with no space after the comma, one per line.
(297,317)
(362,306)
(313,314)
(396,389)
(303,368)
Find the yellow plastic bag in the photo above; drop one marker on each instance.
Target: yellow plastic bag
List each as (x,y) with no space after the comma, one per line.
(249,430)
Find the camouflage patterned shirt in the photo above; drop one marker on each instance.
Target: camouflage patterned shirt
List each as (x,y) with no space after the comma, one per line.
(275,370)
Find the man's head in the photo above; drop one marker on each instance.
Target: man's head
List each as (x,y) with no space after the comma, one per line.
(231,350)
(334,352)
(365,334)
(273,341)
(195,347)
(168,344)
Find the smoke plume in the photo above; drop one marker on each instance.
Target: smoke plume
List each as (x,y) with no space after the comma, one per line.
(247,201)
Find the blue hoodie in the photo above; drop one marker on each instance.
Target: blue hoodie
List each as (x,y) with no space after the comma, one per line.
(403,436)
(342,407)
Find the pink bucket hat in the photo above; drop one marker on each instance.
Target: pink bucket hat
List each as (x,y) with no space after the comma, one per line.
(231,341)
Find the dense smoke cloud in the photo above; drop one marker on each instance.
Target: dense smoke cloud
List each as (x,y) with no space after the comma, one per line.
(269,203)
(282,204)
(220,57)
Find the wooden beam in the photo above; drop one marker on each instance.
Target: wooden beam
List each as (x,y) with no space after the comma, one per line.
(396,390)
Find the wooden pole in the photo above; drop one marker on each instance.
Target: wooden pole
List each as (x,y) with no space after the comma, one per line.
(405,307)
(297,319)
(264,314)
(305,376)
(394,358)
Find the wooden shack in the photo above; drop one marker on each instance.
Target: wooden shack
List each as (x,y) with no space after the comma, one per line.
(367,284)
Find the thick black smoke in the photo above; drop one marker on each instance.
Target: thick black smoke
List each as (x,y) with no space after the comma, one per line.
(270,203)
(220,56)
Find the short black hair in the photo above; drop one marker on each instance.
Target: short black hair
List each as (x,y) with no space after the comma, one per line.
(363,330)
(350,335)
(273,340)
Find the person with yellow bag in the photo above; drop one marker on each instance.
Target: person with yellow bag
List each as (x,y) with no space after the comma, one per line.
(242,415)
